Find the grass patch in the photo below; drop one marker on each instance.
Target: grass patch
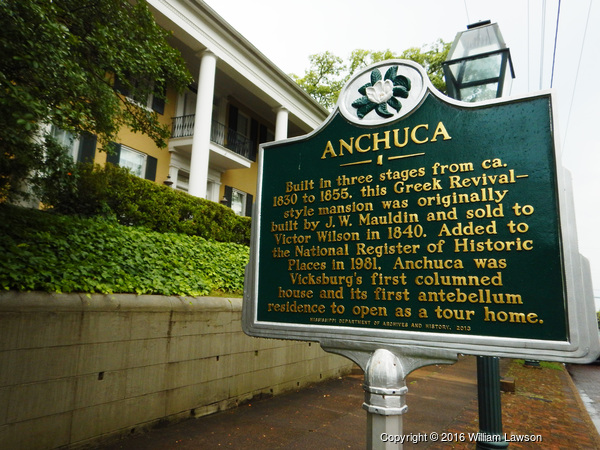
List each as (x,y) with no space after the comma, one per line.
(544,364)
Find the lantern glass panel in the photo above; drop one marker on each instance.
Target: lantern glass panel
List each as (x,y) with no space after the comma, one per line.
(479,93)
(482,68)
(476,41)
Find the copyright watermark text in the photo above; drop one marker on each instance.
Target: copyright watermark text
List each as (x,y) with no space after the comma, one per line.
(416,438)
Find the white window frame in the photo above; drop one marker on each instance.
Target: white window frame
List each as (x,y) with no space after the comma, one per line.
(67,140)
(135,153)
(183,180)
(149,99)
(243,197)
(246,130)
(147,106)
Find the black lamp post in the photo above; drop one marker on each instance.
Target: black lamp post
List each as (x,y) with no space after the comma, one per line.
(479,68)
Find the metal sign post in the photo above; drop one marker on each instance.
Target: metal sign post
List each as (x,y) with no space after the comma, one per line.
(385,388)
(410,225)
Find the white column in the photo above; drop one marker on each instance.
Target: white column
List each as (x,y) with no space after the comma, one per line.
(202,125)
(174,174)
(281,123)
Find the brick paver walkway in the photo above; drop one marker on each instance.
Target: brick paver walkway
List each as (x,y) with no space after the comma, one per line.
(441,399)
(545,403)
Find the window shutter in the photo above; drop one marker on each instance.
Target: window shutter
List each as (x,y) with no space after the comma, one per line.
(120,87)
(158,104)
(150,168)
(262,137)
(228,195)
(249,199)
(233,117)
(87,148)
(158,98)
(115,155)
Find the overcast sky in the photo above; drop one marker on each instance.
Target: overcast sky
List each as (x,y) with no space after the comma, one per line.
(288,32)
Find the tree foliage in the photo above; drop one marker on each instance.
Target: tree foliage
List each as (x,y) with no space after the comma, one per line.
(431,58)
(328,73)
(59,60)
(325,78)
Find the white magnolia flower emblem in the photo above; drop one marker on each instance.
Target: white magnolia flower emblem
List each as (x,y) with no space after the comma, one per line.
(380,92)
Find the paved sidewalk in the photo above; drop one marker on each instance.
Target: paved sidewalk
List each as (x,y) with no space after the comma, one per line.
(587,380)
(441,399)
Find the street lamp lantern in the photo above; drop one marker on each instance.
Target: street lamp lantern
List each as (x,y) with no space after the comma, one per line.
(478,66)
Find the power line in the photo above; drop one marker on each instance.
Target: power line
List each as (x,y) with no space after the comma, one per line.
(587,21)
(555,41)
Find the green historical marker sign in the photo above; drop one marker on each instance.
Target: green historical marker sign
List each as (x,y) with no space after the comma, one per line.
(412,218)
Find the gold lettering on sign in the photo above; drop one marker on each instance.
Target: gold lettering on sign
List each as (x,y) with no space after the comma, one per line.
(368,142)
(404,245)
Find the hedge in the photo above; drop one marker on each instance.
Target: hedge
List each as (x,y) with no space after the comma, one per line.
(113,192)
(55,253)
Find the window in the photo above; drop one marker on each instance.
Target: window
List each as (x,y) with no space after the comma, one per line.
(82,148)
(140,164)
(212,190)
(183,180)
(239,201)
(189,103)
(243,124)
(67,140)
(133,160)
(137,91)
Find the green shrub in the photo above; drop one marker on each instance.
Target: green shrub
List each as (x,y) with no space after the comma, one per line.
(113,192)
(56,253)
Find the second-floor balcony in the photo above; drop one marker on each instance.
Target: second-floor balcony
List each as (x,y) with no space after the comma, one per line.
(183,126)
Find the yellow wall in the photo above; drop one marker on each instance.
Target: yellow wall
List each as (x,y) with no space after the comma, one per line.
(241,179)
(146,145)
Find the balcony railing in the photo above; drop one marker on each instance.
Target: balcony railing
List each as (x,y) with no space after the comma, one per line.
(183,126)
